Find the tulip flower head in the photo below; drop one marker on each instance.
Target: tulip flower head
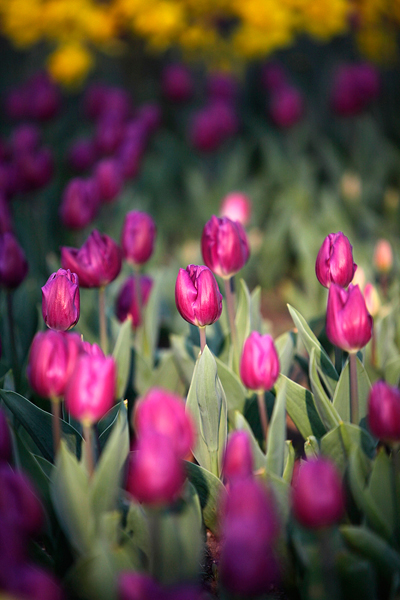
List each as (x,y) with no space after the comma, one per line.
(129,303)
(383,256)
(259,364)
(348,323)
(13,265)
(384,412)
(61,300)
(372,300)
(177,83)
(138,237)
(80,203)
(97,262)
(237,207)
(334,262)
(224,246)
(197,296)
(238,459)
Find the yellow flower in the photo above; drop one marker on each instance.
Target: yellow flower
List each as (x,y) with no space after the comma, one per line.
(22,21)
(70,64)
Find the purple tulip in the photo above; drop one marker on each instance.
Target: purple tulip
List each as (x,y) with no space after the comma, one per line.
(109,134)
(138,586)
(97,262)
(348,323)
(384,412)
(80,203)
(238,460)
(177,84)
(19,502)
(222,86)
(129,304)
(317,496)
(90,391)
(13,265)
(138,237)
(82,155)
(286,106)
(108,176)
(35,169)
(61,300)
(25,138)
(197,296)
(259,364)
(334,262)
(36,584)
(5,215)
(224,246)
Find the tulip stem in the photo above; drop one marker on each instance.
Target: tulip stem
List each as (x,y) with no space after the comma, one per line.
(230,304)
(353,388)
(138,295)
(56,412)
(14,355)
(102,319)
(87,434)
(263,415)
(203,340)
(395,474)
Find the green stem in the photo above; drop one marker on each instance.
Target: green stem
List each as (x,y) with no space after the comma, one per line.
(230,304)
(263,415)
(87,434)
(395,475)
(156,545)
(102,319)
(353,388)
(329,580)
(56,424)
(203,340)
(138,294)
(14,354)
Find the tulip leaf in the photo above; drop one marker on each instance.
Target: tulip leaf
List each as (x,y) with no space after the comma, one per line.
(242,321)
(290,456)
(326,410)
(167,374)
(341,398)
(147,333)
(255,310)
(137,528)
(28,463)
(38,423)
(234,389)
(104,485)
(285,345)
(240,423)
(325,367)
(281,491)
(276,439)
(311,447)
(210,489)
(185,361)
(300,406)
(339,442)
(105,425)
(71,500)
(142,373)
(380,486)
(392,371)
(122,354)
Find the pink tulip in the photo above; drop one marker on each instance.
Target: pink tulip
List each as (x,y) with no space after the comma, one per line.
(224,246)
(334,262)
(237,207)
(61,300)
(138,237)
(384,412)
(238,459)
(197,296)
(13,264)
(348,323)
(259,364)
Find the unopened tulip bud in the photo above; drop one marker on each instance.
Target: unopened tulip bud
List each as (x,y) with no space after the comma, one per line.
(286,106)
(92,349)
(197,296)
(36,584)
(318,498)
(348,323)
(237,207)
(80,203)
(138,237)
(19,502)
(383,256)
(164,413)
(5,215)
(384,412)
(108,176)
(224,246)
(177,84)
(334,262)
(97,262)
(61,300)
(138,586)
(259,364)
(91,389)
(130,302)
(13,265)
(238,460)
(372,300)
(82,155)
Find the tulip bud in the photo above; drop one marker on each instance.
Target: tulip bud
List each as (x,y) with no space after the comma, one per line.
(384,412)
(25,138)
(238,460)
(164,413)
(13,265)
(372,300)
(5,439)
(334,262)
(138,586)
(224,246)
(61,300)
(348,323)
(318,498)
(156,473)
(129,304)
(286,106)
(90,391)
(177,83)
(5,215)
(222,87)
(259,364)
(19,502)
(137,237)
(197,296)
(237,207)
(92,349)
(108,177)
(97,262)
(36,584)
(108,134)
(383,256)
(80,203)
(81,155)
(52,358)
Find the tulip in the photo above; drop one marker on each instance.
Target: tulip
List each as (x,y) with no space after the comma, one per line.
(383,256)
(286,106)
(318,498)
(273,77)
(52,358)
(5,215)
(334,262)
(19,502)
(130,156)
(92,349)
(164,413)
(156,473)
(238,459)
(97,262)
(138,586)
(108,177)
(35,169)
(177,84)
(259,364)
(197,296)
(224,246)
(36,584)
(348,323)
(372,300)
(82,154)
(80,203)
(150,115)
(5,439)
(61,300)
(222,87)
(108,135)
(384,412)
(138,237)
(237,207)
(131,301)
(25,138)
(13,265)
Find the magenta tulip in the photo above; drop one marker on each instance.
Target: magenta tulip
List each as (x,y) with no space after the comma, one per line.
(108,176)
(19,501)
(237,207)
(90,391)
(177,84)
(13,265)
(317,496)
(129,304)
(286,106)
(138,237)
(82,155)
(348,323)
(259,364)
(238,460)
(61,300)
(334,262)
(384,412)
(197,296)
(80,203)
(224,246)
(97,262)
(5,215)
(138,586)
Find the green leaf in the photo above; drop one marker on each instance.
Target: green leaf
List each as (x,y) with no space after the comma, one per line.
(137,527)
(38,423)
(104,485)
(380,486)
(185,361)
(167,374)
(300,406)
(142,373)
(28,463)
(255,310)
(105,425)
(325,367)
(311,447)
(276,439)
(285,345)
(210,490)
(242,321)
(234,389)
(341,398)
(290,456)
(122,355)
(240,423)
(326,410)
(392,371)
(147,334)
(71,500)
(339,443)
